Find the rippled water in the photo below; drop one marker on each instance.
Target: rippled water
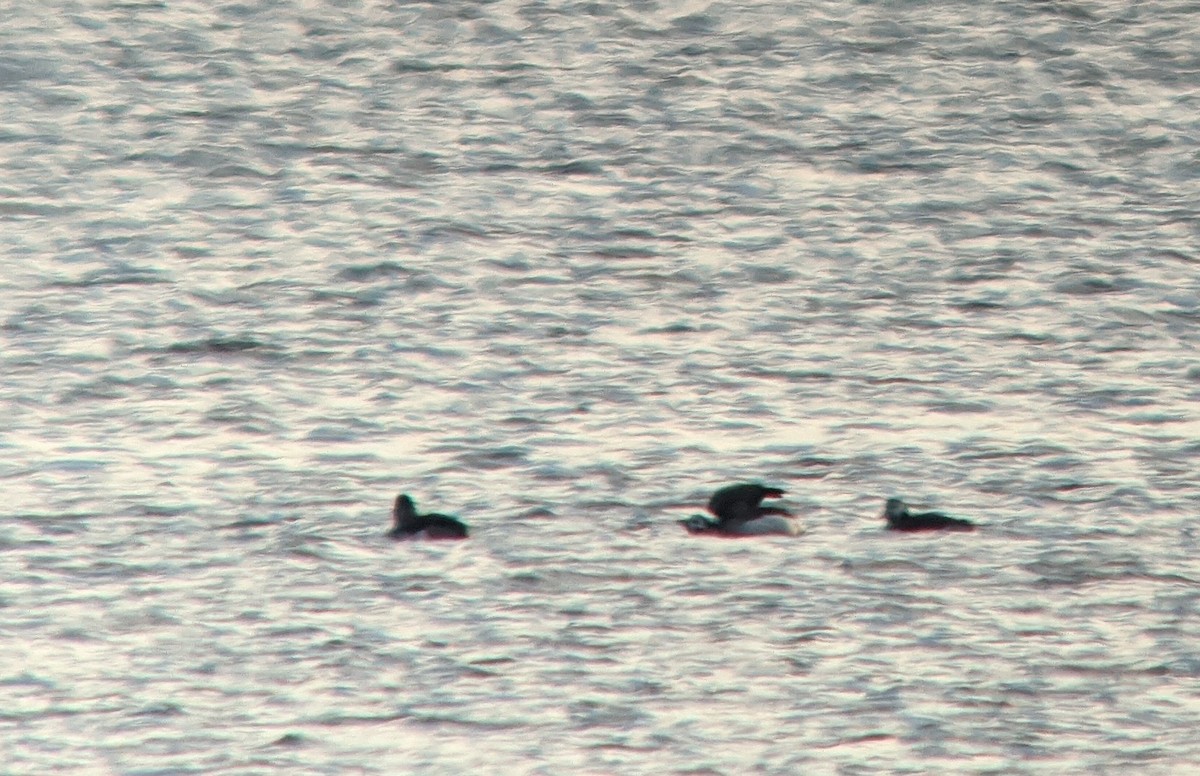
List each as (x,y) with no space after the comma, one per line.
(563,269)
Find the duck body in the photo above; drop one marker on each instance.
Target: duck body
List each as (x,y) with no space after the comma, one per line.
(768,525)
(410,525)
(900,519)
(738,511)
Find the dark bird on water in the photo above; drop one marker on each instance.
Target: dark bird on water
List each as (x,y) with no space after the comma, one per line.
(738,511)
(900,519)
(410,525)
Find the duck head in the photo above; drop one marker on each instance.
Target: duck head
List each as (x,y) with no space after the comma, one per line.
(894,510)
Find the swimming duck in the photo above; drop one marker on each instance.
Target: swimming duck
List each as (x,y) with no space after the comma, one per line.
(410,525)
(739,512)
(900,519)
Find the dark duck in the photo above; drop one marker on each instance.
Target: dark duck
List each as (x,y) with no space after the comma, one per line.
(410,525)
(900,519)
(738,511)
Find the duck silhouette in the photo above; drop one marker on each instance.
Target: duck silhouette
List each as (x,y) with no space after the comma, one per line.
(410,525)
(900,519)
(738,511)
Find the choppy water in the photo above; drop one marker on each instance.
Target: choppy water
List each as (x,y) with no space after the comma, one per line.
(564,268)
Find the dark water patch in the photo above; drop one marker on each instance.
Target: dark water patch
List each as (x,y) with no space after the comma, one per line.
(416,584)
(252,522)
(13,208)
(61,711)
(221,345)
(1122,397)
(814,466)
(1075,491)
(362,273)
(304,149)
(53,523)
(1111,670)
(240,171)
(105,389)
(747,245)
(527,422)
(1066,569)
(788,375)
(361,299)
(897,380)
(162,709)
(596,118)
(192,251)
(960,407)
(1030,337)
(493,719)
(1177,255)
(679,327)
(593,713)
(978,305)
(980,449)
(440,229)
(291,741)
(562,333)
(418,65)
(624,251)
(537,513)
(1188,666)
(121,275)
(474,671)
(880,164)
(915,321)
(768,275)
(1155,418)
(499,167)
(1086,285)
(164,510)
(981,271)
(38,317)
(244,415)
(434,352)
(883,565)
(341,459)
(574,167)
(76,464)
(27,679)
(335,719)
(348,430)
(690,283)
(1189,316)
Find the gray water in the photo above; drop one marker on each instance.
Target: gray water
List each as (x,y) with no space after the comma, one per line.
(563,269)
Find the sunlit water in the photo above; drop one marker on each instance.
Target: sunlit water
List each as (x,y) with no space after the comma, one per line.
(563,269)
